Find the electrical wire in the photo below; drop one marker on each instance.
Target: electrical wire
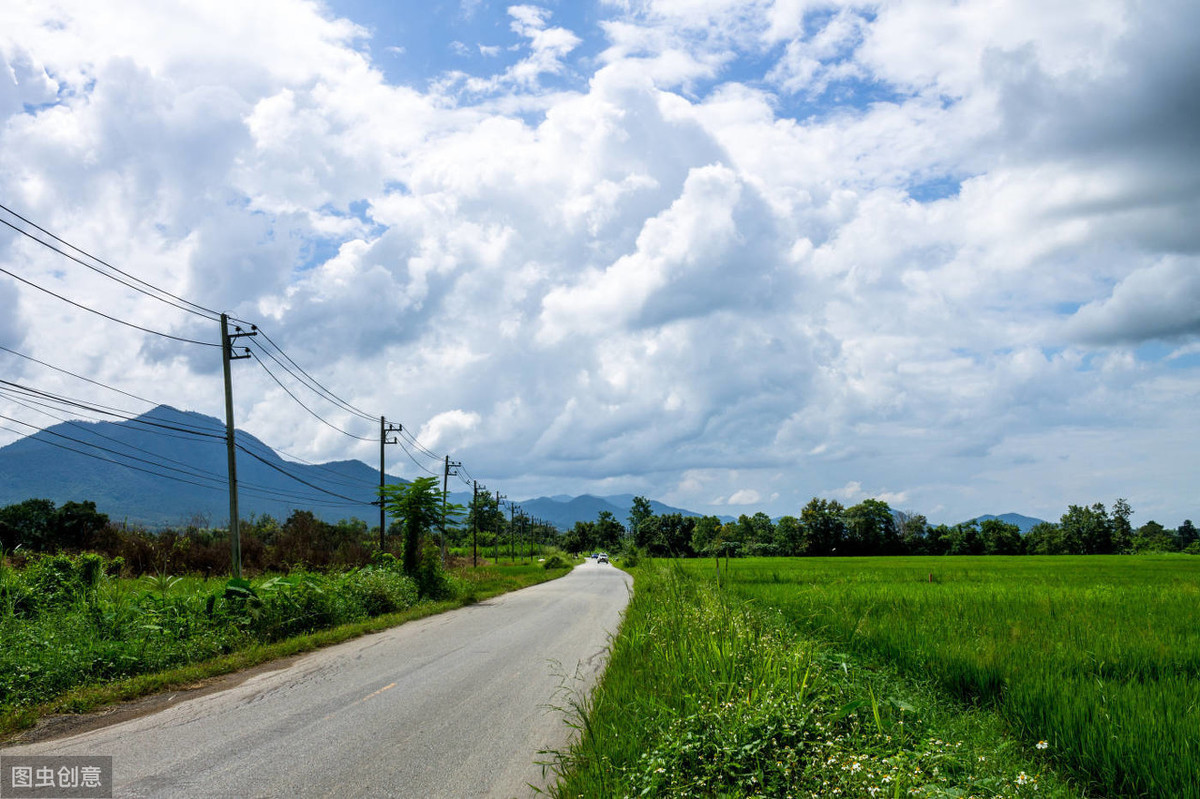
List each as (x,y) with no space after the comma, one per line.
(216,482)
(106,316)
(313,413)
(105,274)
(315,385)
(79,377)
(267,463)
(200,310)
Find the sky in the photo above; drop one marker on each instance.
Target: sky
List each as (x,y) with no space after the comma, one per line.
(727,255)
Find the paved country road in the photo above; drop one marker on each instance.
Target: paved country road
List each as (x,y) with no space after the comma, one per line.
(455,705)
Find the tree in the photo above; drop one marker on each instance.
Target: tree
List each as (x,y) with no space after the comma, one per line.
(581,537)
(871,528)
(485,516)
(419,505)
(704,533)
(963,539)
(1122,530)
(789,536)
(912,528)
(1045,538)
(824,526)
(1086,531)
(1000,538)
(639,512)
(1186,534)
(27,524)
(1153,537)
(77,523)
(669,535)
(608,531)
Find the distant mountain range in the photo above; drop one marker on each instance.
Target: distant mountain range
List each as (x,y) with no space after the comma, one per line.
(168,467)
(174,469)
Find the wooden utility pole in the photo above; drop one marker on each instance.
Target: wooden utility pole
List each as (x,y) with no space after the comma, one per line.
(475,524)
(449,464)
(384,429)
(499,521)
(227,355)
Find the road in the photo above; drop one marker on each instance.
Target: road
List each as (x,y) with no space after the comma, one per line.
(454,705)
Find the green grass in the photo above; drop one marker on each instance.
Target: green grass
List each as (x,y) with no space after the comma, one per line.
(126,638)
(1099,656)
(709,694)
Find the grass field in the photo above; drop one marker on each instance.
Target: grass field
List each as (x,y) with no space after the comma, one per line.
(1098,656)
(708,694)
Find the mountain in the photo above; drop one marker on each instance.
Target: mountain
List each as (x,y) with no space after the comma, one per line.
(174,469)
(1025,523)
(168,467)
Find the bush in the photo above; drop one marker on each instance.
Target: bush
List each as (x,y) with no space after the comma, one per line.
(555,562)
(379,591)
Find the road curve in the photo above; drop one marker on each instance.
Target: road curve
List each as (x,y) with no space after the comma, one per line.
(455,705)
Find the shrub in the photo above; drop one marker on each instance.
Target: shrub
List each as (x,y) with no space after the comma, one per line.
(555,562)
(379,591)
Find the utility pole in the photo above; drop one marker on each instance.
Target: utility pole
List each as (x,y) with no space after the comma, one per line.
(384,429)
(446,472)
(227,355)
(496,540)
(474,524)
(512,517)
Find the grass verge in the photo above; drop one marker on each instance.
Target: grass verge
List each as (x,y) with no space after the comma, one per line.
(707,694)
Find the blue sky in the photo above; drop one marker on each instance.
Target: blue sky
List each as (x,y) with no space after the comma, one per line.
(728,254)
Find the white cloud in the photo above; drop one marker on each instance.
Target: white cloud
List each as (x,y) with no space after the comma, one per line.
(700,268)
(745,496)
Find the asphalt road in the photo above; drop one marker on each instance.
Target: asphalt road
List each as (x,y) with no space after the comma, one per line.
(455,705)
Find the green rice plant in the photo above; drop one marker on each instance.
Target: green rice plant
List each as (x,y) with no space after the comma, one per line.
(708,694)
(1097,656)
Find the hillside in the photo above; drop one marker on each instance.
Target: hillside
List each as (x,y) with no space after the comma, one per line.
(169,467)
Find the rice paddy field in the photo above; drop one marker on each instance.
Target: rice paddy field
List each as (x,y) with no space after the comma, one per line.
(1097,656)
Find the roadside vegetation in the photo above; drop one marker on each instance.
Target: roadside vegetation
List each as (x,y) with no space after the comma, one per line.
(73,623)
(1100,657)
(707,693)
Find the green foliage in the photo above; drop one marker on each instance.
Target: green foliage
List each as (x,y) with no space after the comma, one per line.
(706,694)
(555,562)
(423,508)
(1098,656)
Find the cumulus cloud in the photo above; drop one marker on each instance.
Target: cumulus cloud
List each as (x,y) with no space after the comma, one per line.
(1158,302)
(744,496)
(700,246)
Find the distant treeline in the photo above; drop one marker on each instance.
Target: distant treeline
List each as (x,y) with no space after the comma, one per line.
(824,527)
(267,544)
(871,527)
(302,541)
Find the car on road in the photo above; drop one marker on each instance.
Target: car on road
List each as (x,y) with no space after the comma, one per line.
(602,559)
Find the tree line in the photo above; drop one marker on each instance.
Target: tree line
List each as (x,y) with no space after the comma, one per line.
(871,527)
(419,515)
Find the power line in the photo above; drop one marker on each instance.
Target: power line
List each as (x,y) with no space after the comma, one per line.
(79,377)
(313,413)
(265,462)
(216,482)
(109,411)
(102,273)
(200,309)
(315,384)
(106,316)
